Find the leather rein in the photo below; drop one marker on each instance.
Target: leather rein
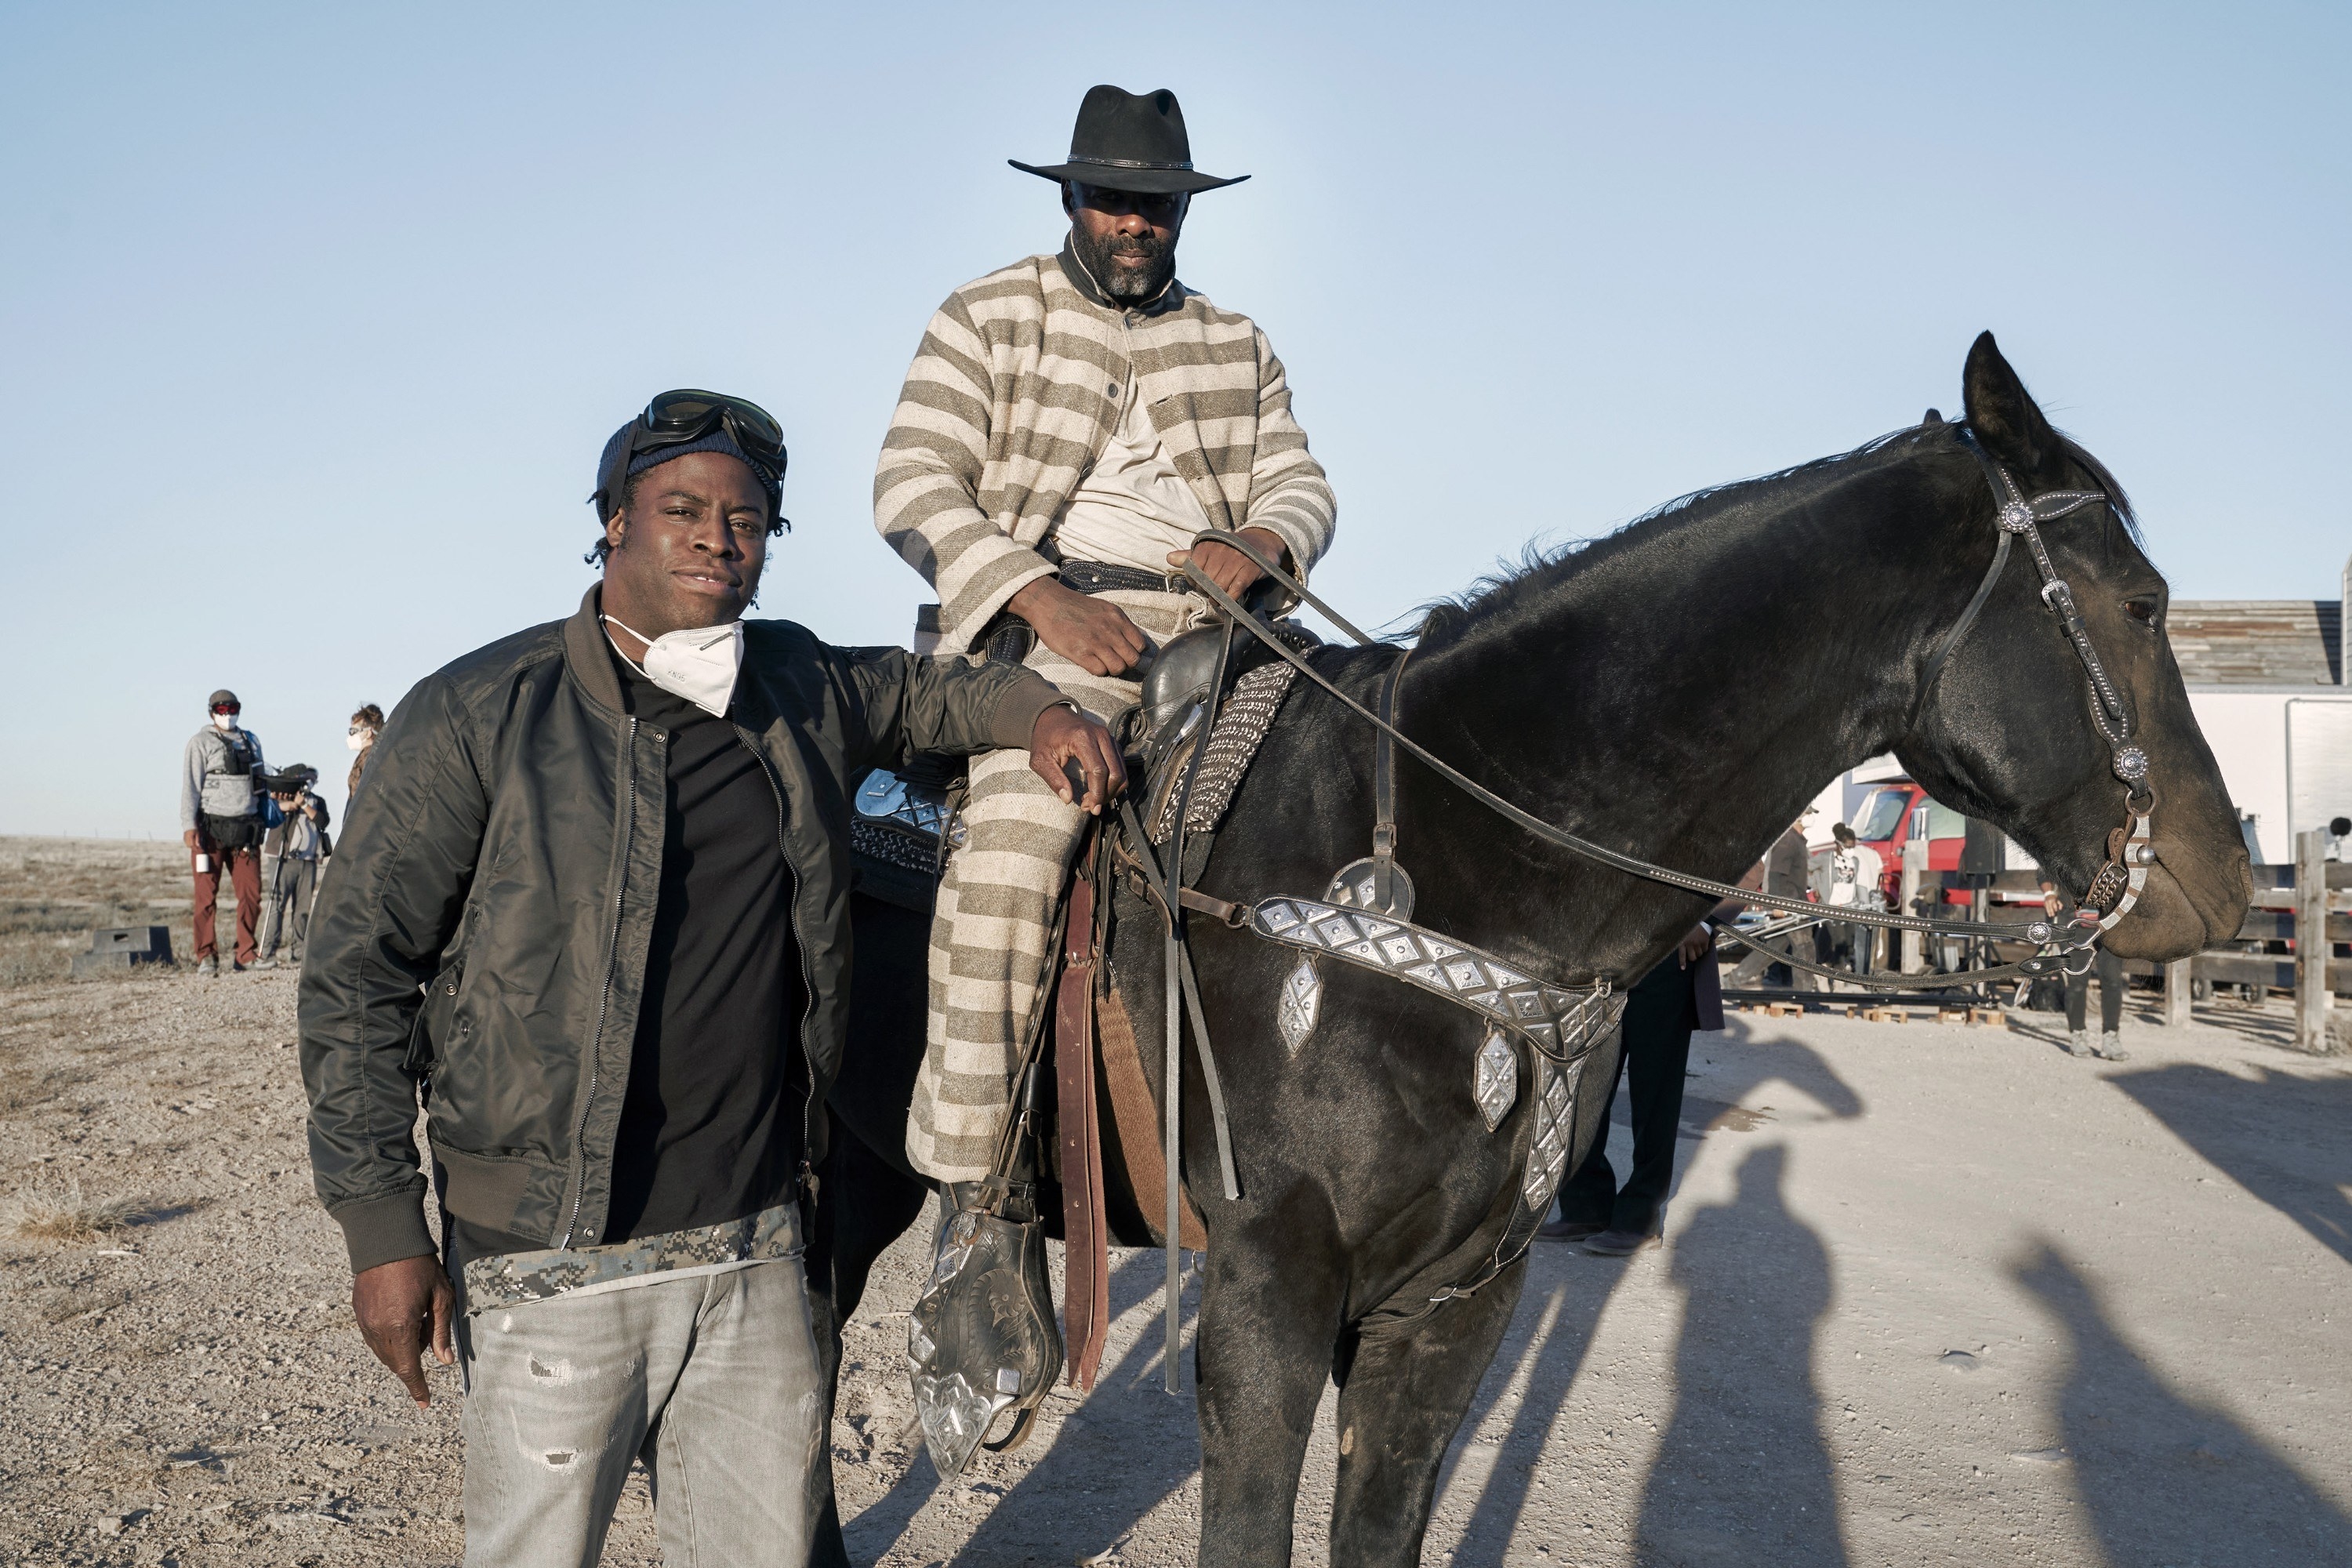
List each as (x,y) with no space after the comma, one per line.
(2118,881)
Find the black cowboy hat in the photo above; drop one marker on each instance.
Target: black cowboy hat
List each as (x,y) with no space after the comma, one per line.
(1131,141)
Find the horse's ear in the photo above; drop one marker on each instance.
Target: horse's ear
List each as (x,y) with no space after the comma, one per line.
(2002,413)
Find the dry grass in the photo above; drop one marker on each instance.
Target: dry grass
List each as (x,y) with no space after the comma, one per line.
(68,1216)
(54,891)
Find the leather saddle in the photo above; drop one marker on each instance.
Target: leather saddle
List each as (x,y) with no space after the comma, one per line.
(1100,1188)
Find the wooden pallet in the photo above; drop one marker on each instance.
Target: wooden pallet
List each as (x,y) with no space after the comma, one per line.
(1992,1015)
(1887,1015)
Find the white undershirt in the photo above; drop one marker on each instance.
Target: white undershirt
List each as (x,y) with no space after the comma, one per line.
(1132,506)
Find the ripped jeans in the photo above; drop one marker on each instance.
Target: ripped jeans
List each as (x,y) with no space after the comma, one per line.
(711,1378)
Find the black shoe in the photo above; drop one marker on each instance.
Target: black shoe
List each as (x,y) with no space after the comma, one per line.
(1568,1230)
(1621,1243)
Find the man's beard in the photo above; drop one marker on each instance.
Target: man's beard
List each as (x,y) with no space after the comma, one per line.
(1136,286)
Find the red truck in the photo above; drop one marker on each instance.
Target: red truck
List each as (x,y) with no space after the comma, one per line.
(1897,812)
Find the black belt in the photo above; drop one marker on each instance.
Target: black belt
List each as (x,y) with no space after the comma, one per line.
(1100,577)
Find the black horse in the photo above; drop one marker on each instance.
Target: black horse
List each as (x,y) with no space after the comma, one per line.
(1677,691)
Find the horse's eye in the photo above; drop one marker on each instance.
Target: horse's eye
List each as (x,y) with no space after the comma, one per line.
(2141,610)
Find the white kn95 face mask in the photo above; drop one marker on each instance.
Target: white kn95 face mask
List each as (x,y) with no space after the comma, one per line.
(698,665)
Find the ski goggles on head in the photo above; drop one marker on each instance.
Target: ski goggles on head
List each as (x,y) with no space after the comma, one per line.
(677,417)
(680,417)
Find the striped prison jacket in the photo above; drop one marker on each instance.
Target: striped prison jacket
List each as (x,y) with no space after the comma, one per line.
(1017,390)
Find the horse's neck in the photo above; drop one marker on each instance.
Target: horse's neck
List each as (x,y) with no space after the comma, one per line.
(1683,698)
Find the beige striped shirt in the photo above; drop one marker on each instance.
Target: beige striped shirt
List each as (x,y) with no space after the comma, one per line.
(1016,391)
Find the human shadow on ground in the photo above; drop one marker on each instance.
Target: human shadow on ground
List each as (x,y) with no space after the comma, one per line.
(2280,1136)
(1743,1472)
(2163,1478)
(1752,1252)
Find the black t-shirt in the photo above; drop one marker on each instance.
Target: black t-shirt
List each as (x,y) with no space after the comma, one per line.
(711,1127)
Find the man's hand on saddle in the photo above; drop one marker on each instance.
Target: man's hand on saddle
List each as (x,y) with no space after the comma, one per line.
(1093,634)
(1226,567)
(1696,946)
(1073,752)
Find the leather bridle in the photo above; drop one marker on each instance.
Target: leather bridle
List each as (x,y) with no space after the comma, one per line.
(2117,883)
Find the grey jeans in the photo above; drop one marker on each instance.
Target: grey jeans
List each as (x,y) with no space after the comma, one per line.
(712,1379)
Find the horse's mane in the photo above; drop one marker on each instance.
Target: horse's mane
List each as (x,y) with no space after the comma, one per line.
(1542,567)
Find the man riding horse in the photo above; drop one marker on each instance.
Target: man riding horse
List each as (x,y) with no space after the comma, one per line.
(1069,426)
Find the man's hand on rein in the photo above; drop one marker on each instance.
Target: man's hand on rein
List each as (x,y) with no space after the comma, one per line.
(1228,568)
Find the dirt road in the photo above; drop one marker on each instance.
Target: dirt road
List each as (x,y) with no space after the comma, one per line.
(1929,1296)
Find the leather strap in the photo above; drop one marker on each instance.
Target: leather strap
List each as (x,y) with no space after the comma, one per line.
(1135,1122)
(1085,1307)
(1384,827)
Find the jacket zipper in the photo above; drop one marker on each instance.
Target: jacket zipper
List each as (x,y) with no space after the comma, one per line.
(605,1001)
(808,979)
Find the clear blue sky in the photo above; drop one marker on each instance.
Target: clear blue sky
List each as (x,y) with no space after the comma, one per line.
(314,318)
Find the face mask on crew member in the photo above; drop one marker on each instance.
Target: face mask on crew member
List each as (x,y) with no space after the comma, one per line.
(698,665)
(358,737)
(224,721)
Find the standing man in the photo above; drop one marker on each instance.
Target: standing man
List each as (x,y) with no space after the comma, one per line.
(1851,877)
(221,822)
(2112,986)
(1681,993)
(608,858)
(293,850)
(1068,428)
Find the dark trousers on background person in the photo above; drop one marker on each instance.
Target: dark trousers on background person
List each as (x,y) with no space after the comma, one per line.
(291,881)
(2110,971)
(245,876)
(1660,1011)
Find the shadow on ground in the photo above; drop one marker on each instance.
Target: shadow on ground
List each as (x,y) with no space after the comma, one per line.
(2163,1479)
(1742,1474)
(2280,1136)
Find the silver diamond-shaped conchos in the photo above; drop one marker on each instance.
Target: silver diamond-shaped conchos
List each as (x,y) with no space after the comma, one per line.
(1495,1083)
(1302,1000)
(1559,1021)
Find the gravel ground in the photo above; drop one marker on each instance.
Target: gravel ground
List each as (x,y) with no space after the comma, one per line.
(1930,1295)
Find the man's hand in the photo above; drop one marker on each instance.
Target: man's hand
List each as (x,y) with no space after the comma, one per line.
(1228,568)
(1092,634)
(1696,946)
(1063,739)
(398,1303)
(190,839)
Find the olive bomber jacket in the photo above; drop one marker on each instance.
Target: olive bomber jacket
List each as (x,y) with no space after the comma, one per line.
(485,921)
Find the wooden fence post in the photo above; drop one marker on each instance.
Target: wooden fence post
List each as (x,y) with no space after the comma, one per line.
(2312,997)
(1915,867)
(2179,979)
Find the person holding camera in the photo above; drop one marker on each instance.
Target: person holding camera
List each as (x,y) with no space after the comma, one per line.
(221,821)
(294,850)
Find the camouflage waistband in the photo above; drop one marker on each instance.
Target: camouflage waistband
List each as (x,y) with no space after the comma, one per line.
(512,1279)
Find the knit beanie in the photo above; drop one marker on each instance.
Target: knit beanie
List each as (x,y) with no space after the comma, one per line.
(718,440)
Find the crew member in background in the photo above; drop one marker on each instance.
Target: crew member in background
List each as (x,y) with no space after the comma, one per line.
(294,850)
(2110,971)
(607,859)
(366,725)
(221,822)
(1682,993)
(1850,879)
(1069,426)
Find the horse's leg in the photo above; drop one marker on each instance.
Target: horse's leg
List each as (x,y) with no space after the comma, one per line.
(864,1204)
(1401,1401)
(1269,1319)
